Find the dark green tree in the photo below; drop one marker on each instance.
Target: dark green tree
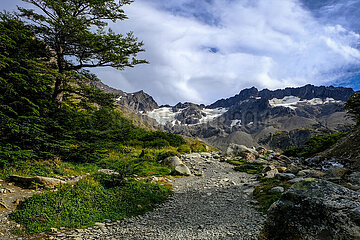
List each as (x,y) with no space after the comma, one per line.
(77,34)
(26,80)
(353,106)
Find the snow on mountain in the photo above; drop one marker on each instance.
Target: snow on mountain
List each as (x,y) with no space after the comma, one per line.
(165,115)
(292,101)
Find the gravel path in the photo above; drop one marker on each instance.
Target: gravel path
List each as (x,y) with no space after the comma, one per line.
(216,205)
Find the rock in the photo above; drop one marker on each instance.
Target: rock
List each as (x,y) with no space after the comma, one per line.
(335,172)
(173,161)
(248,156)
(269,171)
(108,172)
(314,209)
(235,149)
(37,181)
(295,180)
(292,168)
(193,155)
(277,190)
(302,173)
(314,161)
(354,178)
(281,169)
(261,150)
(316,174)
(285,176)
(285,158)
(182,169)
(206,155)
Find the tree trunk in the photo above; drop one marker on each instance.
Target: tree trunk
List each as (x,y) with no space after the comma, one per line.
(60,80)
(58,90)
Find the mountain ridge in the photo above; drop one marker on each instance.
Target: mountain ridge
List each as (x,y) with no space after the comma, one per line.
(272,118)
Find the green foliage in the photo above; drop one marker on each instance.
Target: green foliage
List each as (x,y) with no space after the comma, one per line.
(77,33)
(353,106)
(184,149)
(314,145)
(167,153)
(263,194)
(197,146)
(87,202)
(251,168)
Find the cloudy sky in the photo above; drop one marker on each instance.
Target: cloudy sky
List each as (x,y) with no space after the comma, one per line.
(204,50)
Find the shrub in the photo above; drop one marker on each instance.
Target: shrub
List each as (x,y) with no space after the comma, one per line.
(314,145)
(184,149)
(88,202)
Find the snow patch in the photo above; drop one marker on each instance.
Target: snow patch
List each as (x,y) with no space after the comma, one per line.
(211,114)
(292,101)
(166,115)
(163,115)
(235,123)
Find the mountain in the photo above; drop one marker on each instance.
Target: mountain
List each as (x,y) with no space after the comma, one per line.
(138,101)
(277,119)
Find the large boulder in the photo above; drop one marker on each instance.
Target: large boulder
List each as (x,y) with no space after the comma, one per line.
(172,161)
(182,169)
(235,149)
(314,209)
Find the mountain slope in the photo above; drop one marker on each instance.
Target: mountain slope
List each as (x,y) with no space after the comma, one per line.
(278,119)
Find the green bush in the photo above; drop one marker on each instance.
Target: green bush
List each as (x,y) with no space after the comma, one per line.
(88,202)
(251,168)
(314,145)
(263,194)
(184,149)
(167,153)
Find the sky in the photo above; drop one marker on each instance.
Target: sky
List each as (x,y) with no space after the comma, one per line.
(204,50)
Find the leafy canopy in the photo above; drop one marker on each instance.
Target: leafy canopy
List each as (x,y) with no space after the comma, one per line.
(76,31)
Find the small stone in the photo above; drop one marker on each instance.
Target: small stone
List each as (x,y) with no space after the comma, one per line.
(285,176)
(281,169)
(277,190)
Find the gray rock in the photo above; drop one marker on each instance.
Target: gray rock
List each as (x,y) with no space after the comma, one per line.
(313,210)
(172,161)
(37,181)
(354,178)
(269,171)
(277,190)
(335,172)
(285,176)
(235,149)
(182,169)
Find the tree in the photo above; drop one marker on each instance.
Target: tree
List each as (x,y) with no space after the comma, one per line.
(26,81)
(76,32)
(353,106)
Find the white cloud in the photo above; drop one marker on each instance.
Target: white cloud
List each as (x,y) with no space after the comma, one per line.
(201,51)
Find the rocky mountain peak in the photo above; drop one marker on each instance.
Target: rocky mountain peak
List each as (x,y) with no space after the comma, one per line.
(306,92)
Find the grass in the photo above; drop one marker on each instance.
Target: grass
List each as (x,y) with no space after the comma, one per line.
(263,195)
(47,168)
(89,201)
(242,165)
(97,196)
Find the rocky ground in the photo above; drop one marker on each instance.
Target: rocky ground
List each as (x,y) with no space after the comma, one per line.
(216,205)
(10,197)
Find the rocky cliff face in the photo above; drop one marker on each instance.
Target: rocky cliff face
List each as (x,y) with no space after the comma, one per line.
(277,119)
(137,102)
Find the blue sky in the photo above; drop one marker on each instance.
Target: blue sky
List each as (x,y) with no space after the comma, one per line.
(204,50)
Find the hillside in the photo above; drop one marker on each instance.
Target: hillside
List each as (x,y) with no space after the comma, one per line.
(347,149)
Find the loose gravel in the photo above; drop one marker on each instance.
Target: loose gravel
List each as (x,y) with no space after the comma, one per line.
(216,205)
